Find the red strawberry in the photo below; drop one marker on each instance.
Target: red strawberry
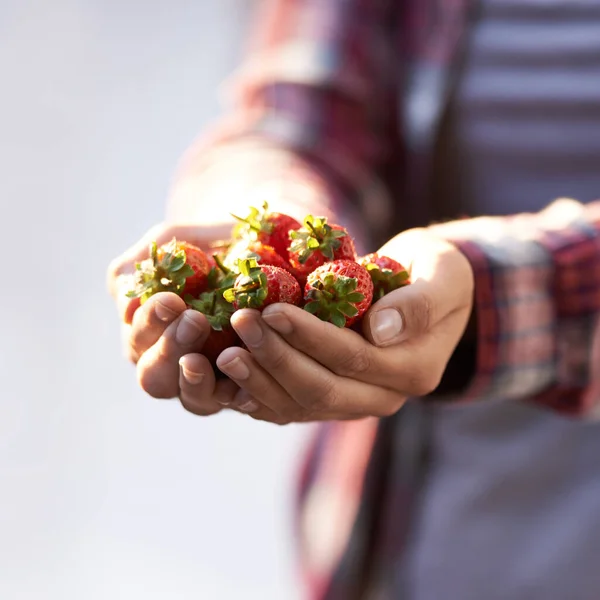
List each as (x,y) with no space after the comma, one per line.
(217,341)
(264,254)
(339,292)
(212,263)
(257,286)
(267,255)
(387,274)
(177,267)
(218,314)
(269,228)
(316,243)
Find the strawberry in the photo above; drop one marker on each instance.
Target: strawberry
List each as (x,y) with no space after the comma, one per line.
(177,267)
(316,243)
(269,228)
(264,254)
(212,263)
(218,314)
(339,292)
(387,274)
(257,286)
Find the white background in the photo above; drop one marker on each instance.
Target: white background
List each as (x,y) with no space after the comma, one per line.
(105,493)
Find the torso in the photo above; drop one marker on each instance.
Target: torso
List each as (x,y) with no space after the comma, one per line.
(523,127)
(511,504)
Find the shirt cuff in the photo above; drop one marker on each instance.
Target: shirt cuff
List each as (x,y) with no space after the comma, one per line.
(537,296)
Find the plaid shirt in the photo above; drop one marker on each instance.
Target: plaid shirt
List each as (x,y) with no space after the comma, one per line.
(355,90)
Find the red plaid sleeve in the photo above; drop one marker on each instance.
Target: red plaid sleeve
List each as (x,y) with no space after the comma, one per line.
(537,300)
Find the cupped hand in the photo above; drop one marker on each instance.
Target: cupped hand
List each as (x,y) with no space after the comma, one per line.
(297,368)
(162,337)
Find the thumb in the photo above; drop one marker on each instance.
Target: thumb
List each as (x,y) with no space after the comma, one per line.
(405,313)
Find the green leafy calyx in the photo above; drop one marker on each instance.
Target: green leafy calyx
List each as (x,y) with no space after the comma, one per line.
(165,271)
(333,298)
(255,223)
(316,235)
(386,280)
(251,286)
(212,304)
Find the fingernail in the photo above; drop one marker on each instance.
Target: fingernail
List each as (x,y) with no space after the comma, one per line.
(279,322)
(248,407)
(236,369)
(245,403)
(190,376)
(386,325)
(164,313)
(187,331)
(250,331)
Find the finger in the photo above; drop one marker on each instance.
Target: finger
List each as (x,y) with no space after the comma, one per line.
(198,390)
(409,368)
(310,384)
(126,307)
(259,389)
(265,414)
(152,319)
(158,367)
(247,404)
(340,350)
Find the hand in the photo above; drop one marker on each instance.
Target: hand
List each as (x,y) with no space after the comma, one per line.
(164,339)
(298,368)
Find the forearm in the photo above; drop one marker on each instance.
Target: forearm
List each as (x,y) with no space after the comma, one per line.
(305,133)
(213,182)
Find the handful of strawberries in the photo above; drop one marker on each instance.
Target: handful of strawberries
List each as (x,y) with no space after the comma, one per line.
(270,258)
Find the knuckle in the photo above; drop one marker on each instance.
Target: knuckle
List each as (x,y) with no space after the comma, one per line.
(356,362)
(131,354)
(196,408)
(325,397)
(155,380)
(421,311)
(165,350)
(424,381)
(156,386)
(129,350)
(388,409)
(141,322)
(275,361)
